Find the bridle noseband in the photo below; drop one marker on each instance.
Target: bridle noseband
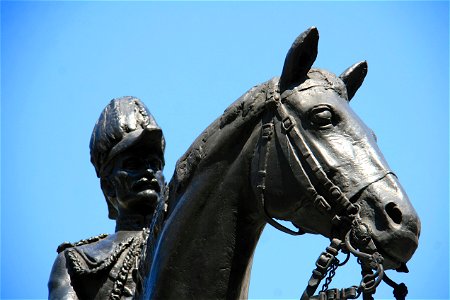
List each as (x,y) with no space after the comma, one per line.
(331,201)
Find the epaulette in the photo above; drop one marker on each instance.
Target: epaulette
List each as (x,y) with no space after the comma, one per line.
(90,240)
(82,264)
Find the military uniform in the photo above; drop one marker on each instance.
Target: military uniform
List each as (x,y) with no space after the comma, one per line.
(127,151)
(107,263)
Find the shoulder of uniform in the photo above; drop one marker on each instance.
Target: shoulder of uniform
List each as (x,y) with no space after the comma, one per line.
(67,245)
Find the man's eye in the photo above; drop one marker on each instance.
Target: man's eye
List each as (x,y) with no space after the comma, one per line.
(131,164)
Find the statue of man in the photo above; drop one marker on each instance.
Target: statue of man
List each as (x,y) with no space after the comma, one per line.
(127,151)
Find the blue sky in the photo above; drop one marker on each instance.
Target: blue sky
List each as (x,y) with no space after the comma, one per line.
(61,63)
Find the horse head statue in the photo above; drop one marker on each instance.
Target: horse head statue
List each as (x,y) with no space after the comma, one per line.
(289,149)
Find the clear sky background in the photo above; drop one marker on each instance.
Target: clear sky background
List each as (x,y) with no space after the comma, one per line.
(61,63)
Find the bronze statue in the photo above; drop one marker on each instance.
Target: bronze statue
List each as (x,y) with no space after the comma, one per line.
(127,151)
(289,149)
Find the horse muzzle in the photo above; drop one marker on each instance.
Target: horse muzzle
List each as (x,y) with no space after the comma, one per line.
(393,222)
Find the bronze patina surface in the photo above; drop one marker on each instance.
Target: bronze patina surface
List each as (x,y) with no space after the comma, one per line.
(289,149)
(127,151)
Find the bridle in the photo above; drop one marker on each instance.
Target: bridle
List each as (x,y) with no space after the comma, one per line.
(332,201)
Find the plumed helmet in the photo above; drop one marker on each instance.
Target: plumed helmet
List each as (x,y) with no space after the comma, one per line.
(123,123)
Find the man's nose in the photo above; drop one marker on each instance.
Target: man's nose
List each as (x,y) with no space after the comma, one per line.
(149,170)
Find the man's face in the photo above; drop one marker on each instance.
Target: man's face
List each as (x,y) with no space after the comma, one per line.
(136,180)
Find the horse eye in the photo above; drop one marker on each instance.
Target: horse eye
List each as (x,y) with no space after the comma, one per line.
(321,116)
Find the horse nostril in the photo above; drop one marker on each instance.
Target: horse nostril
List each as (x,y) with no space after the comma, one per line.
(394,212)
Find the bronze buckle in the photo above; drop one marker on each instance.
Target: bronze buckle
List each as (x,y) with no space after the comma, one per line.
(287,123)
(324,261)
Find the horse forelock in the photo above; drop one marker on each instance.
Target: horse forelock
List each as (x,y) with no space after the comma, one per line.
(320,78)
(247,107)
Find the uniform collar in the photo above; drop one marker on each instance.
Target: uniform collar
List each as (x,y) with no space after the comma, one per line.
(132,222)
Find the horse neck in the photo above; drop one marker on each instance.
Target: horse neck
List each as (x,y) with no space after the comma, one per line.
(206,247)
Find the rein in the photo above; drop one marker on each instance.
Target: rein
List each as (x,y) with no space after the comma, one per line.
(344,212)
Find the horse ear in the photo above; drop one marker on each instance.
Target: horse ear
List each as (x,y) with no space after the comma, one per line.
(353,77)
(300,58)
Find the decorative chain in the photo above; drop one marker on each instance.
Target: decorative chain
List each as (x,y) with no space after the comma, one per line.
(331,272)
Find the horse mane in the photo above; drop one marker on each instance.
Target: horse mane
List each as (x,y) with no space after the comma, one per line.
(249,105)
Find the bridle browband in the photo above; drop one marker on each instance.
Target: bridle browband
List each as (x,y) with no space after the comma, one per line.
(332,201)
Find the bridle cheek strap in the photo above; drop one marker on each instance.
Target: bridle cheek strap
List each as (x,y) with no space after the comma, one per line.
(298,169)
(264,148)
